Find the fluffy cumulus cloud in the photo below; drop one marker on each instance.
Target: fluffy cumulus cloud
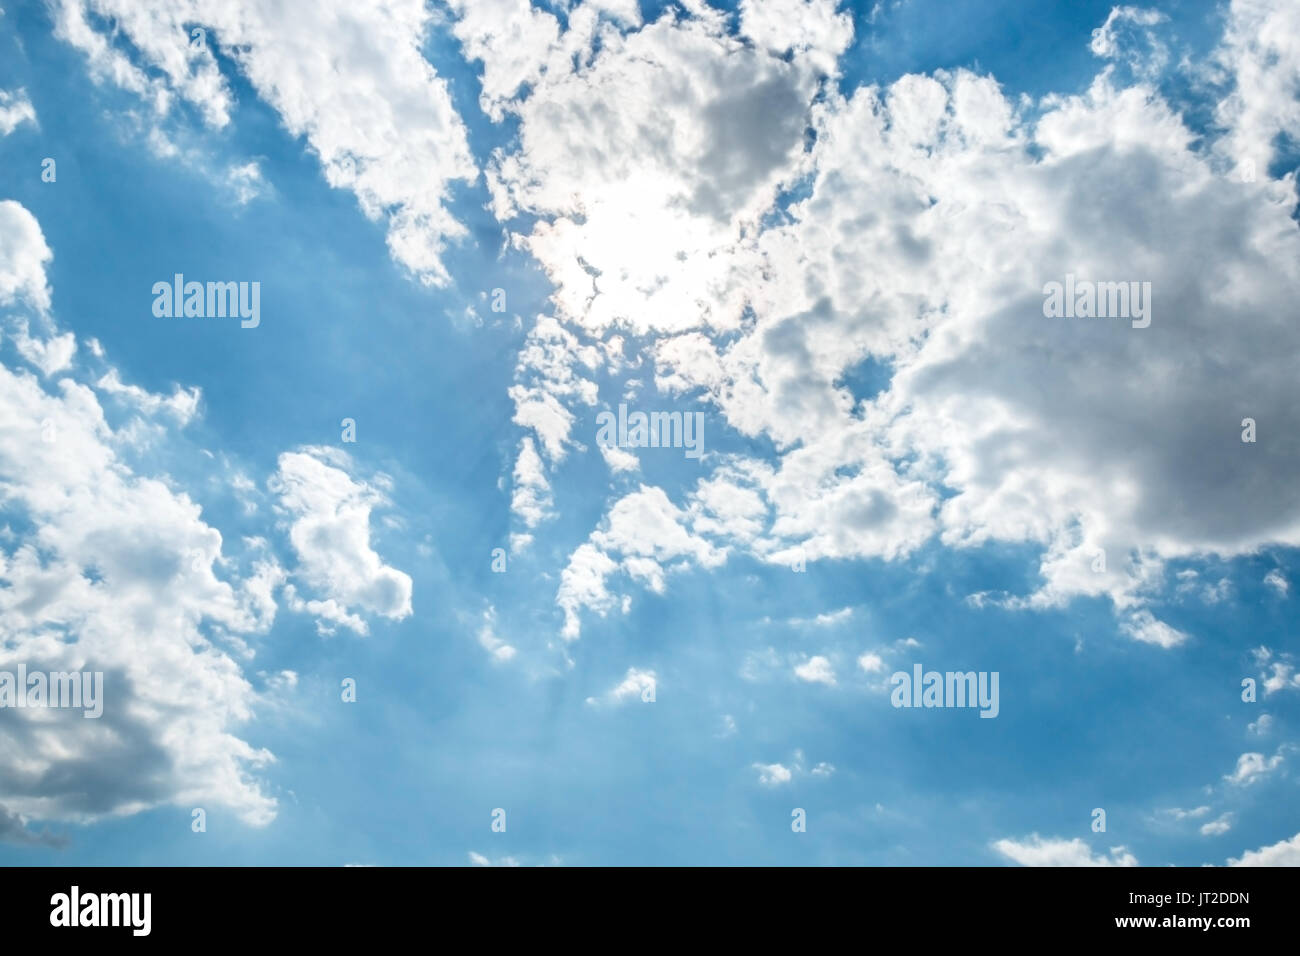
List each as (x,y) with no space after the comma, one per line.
(329,526)
(478,859)
(548,380)
(851,280)
(108,566)
(1277,670)
(349,78)
(757,237)
(871,663)
(642,533)
(764,238)
(1218,826)
(1035,850)
(816,670)
(1016,413)
(490,641)
(1253,767)
(107,569)
(1045,851)
(773,774)
(707,128)
(25,255)
(1259,63)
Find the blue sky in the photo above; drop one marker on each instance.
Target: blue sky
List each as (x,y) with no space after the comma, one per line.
(830,241)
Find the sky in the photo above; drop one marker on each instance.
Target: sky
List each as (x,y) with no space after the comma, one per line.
(367,582)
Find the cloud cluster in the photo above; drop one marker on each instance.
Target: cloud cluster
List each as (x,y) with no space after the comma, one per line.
(329,515)
(106,569)
(852,280)
(642,533)
(108,566)
(349,78)
(764,239)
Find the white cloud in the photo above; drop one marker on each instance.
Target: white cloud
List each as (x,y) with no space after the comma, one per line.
(1179,814)
(118,574)
(932,213)
(1253,767)
(810,28)
(546,376)
(871,663)
(1282,853)
(283,681)
(1278,582)
(827,618)
(50,355)
(23,256)
(645,530)
(727,506)
(15,109)
(490,642)
(1259,62)
(816,670)
(635,685)
(773,774)
(1040,851)
(520,44)
(619,459)
(778,774)
(582,585)
(330,614)
(1127,30)
(1283,677)
(478,859)
(246,182)
(330,531)
(348,78)
(181,405)
(1143,626)
(1261,726)
(1217,826)
(707,128)
(531,495)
